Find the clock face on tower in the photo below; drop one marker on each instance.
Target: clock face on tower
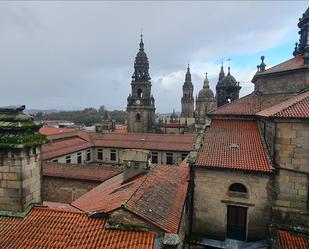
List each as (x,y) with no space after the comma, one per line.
(138,102)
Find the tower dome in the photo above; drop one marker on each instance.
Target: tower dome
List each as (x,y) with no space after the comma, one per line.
(228,80)
(206,92)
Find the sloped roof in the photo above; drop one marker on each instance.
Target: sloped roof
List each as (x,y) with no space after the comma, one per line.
(79,171)
(288,240)
(55,229)
(53,130)
(247,105)
(63,147)
(147,141)
(70,142)
(233,144)
(291,64)
(295,107)
(157,196)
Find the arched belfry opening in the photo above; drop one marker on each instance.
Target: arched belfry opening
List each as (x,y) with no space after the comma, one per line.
(140,93)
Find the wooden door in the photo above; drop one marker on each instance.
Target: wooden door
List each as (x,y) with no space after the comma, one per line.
(236,222)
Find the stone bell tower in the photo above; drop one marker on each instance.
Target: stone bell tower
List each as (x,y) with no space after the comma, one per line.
(141,104)
(20,162)
(187,100)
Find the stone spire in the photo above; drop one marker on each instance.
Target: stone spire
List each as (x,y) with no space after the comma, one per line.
(188,75)
(141,64)
(221,74)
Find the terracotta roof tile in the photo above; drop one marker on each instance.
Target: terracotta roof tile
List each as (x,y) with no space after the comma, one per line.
(171,142)
(158,196)
(233,144)
(63,147)
(295,107)
(60,206)
(54,229)
(109,195)
(53,131)
(249,105)
(288,240)
(69,142)
(291,64)
(79,171)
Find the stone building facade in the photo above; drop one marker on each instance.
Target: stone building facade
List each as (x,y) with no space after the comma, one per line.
(187,100)
(141,103)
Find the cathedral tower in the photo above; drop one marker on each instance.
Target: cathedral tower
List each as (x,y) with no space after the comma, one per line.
(227,88)
(140,107)
(187,100)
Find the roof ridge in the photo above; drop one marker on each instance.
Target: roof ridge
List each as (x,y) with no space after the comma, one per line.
(134,192)
(59,210)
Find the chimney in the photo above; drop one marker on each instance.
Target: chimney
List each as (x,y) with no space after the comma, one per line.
(135,162)
(20,161)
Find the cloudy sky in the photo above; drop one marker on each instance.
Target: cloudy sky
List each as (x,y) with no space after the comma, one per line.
(71,55)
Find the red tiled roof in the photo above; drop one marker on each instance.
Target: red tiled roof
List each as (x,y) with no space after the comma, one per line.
(296,107)
(60,206)
(288,240)
(147,141)
(53,131)
(79,171)
(158,196)
(233,144)
(54,229)
(291,64)
(247,105)
(63,147)
(70,142)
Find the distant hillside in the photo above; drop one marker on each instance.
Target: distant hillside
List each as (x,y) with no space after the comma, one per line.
(88,116)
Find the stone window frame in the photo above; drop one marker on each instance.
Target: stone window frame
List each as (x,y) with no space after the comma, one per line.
(239,194)
(100,154)
(113,155)
(155,154)
(169,155)
(88,155)
(68,159)
(79,157)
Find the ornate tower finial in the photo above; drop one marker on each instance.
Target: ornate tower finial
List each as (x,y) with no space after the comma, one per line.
(229,70)
(141,44)
(262,65)
(206,82)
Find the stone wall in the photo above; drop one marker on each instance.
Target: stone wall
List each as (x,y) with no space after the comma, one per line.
(20,179)
(211,198)
(268,130)
(292,180)
(288,82)
(177,157)
(65,190)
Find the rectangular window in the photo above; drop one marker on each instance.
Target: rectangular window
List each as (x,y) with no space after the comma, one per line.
(154,157)
(68,159)
(169,158)
(88,155)
(113,155)
(100,154)
(79,157)
(55,160)
(183,156)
